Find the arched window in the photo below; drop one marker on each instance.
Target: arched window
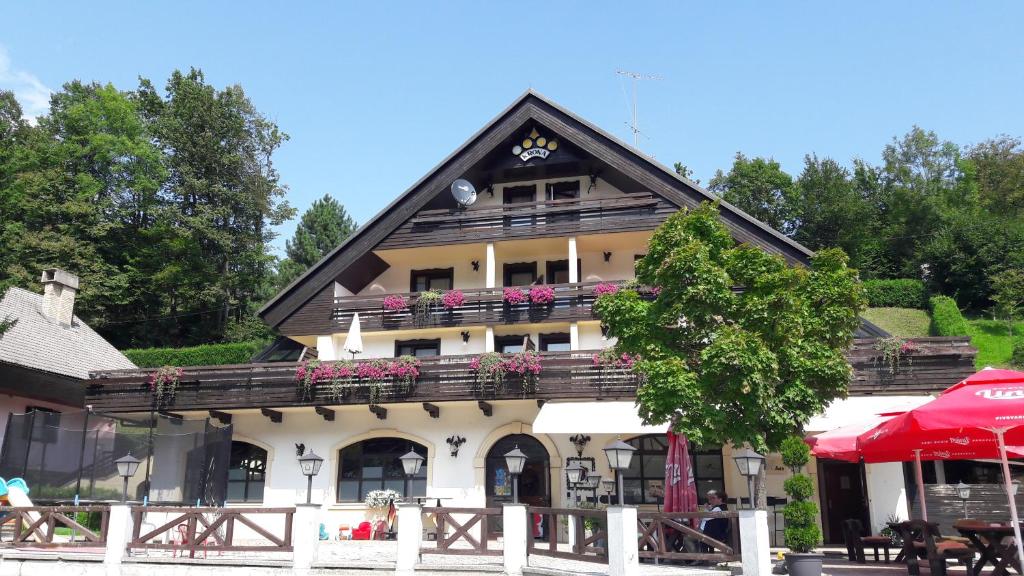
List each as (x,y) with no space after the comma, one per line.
(646,472)
(373,465)
(247,472)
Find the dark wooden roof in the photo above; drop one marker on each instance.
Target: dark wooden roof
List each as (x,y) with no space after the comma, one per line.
(531,106)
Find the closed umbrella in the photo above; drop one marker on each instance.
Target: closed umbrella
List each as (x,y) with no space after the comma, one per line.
(354,339)
(680,489)
(980,417)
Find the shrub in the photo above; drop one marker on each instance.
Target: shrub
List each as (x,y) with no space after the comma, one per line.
(795,453)
(802,532)
(946,317)
(1017,359)
(899,293)
(204,355)
(799,486)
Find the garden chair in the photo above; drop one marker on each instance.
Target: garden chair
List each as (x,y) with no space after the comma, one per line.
(856,541)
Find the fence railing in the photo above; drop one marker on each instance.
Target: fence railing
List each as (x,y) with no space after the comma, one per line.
(676,536)
(462,531)
(585,544)
(54,526)
(191,530)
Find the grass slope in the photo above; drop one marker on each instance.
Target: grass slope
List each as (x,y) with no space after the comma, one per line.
(902,322)
(993,341)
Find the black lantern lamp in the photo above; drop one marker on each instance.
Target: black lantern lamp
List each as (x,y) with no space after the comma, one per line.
(964,492)
(310,464)
(609,487)
(749,464)
(411,463)
(619,455)
(127,465)
(574,475)
(516,461)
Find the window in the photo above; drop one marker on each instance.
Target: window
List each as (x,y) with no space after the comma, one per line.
(519,194)
(520,274)
(373,465)
(554,342)
(647,469)
(509,344)
(558,271)
(436,279)
(418,348)
(247,472)
(564,190)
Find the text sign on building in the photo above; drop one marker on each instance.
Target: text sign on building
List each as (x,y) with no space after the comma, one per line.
(535,146)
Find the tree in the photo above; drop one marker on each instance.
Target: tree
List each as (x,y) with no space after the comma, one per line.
(829,211)
(759,187)
(321,229)
(746,365)
(684,171)
(1008,294)
(1000,174)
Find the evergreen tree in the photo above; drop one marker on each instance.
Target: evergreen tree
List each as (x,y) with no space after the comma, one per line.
(321,229)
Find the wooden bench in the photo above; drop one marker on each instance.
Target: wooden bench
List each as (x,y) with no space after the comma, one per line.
(923,544)
(856,542)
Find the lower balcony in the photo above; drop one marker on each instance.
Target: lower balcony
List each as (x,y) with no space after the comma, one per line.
(440,379)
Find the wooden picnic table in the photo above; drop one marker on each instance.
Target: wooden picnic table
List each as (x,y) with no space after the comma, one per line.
(995,542)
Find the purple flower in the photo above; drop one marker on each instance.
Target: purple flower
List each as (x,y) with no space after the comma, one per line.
(514,296)
(542,294)
(395,303)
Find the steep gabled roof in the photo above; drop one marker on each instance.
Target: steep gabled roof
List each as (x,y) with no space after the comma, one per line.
(656,177)
(40,343)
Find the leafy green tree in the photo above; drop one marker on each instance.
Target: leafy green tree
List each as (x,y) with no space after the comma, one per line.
(684,171)
(829,211)
(749,365)
(1000,174)
(1008,294)
(759,187)
(321,229)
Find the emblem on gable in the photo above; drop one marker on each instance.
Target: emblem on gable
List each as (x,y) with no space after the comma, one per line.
(535,146)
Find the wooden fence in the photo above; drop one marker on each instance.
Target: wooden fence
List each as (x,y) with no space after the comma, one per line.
(53,526)
(188,530)
(587,545)
(676,536)
(462,531)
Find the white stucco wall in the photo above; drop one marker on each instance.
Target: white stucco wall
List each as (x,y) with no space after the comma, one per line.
(887,493)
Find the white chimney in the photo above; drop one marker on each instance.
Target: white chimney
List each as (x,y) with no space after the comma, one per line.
(59,289)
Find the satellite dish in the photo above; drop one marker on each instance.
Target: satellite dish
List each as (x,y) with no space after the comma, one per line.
(463,192)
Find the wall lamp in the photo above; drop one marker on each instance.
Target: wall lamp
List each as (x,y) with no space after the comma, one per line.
(580,441)
(454,442)
(607,256)
(465,336)
(476,265)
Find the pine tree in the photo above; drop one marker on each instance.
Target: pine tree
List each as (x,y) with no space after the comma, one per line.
(321,229)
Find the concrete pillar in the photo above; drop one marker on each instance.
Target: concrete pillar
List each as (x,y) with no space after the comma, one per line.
(410,538)
(325,348)
(570,529)
(489,339)
(757,555)
(516,536)
(887,493)
(305,537)
(490,268)
(574,273)
(119,534)
(574,336)
(623,551)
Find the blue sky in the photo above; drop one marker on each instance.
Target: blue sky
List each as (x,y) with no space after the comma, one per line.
(374,94)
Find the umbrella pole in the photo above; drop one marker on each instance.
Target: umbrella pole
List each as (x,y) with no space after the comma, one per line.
(1007,485)
(920,484)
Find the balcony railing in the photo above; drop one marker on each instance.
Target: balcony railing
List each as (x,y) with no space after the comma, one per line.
(546,218)
(572,302)
(441,379)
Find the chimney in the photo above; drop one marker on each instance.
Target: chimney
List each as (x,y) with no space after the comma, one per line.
(59,289)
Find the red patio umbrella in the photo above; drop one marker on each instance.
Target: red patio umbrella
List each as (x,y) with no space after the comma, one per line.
(980,417)
(680,489)
(841,443)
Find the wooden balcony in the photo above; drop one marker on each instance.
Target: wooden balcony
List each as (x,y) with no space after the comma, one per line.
(441,379)
(573,302)
(530,220)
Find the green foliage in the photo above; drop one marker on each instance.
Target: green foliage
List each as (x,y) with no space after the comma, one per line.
(759,187)
(726,366)
(802,539)
(795,452)
(203,355)
(900,322)
(946,317)
(994,343)
(801,511)
(897,293)
(6,323)
(1017,358)
(799,486)
(321,229)
(1008,295)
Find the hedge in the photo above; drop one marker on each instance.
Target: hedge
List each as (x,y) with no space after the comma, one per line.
(899,293)
(204,355)
(1017,359)
(946,317)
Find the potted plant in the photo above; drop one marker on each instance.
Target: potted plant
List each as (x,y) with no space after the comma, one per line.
(426,303)
(395,303)
(164,384)
(542,295)
(802,532)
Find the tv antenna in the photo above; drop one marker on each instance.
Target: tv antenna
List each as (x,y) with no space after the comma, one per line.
(634,127)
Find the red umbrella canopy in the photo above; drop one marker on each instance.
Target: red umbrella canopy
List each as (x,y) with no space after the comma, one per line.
(957,425)
(841,443)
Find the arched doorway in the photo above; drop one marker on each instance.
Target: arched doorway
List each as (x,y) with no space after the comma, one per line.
(534,482)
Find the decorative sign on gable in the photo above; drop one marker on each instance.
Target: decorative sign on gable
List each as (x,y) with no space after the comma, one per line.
(535,146)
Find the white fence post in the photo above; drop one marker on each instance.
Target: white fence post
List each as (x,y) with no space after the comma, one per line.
(410,538)
(623,550)
(757,554)
(516,534)
(119,534)
(305,536)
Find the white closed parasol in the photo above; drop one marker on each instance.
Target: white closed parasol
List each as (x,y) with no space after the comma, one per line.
(354,340)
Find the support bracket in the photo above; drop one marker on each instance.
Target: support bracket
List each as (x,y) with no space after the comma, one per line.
(327,413)
(432,409)
(486,408)
(275,416)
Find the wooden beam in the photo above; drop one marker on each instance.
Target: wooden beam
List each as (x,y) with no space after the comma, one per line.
(275,416)
(224,417)
(432,409)
(327,413)
(486,408)
(379,411)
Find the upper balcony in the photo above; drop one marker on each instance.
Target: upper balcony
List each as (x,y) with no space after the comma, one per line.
(572,302)
(565,217)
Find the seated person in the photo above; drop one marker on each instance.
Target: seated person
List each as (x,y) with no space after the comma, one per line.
(717,528)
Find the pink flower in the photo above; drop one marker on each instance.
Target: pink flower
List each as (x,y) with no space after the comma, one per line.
(605,288)
(514,296)
(542,294)
(395,303)
(453,299)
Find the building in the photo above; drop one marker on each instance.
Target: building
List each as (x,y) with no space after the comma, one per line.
(559,204)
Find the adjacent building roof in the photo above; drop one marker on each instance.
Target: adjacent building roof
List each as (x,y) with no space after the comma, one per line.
(40,343)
